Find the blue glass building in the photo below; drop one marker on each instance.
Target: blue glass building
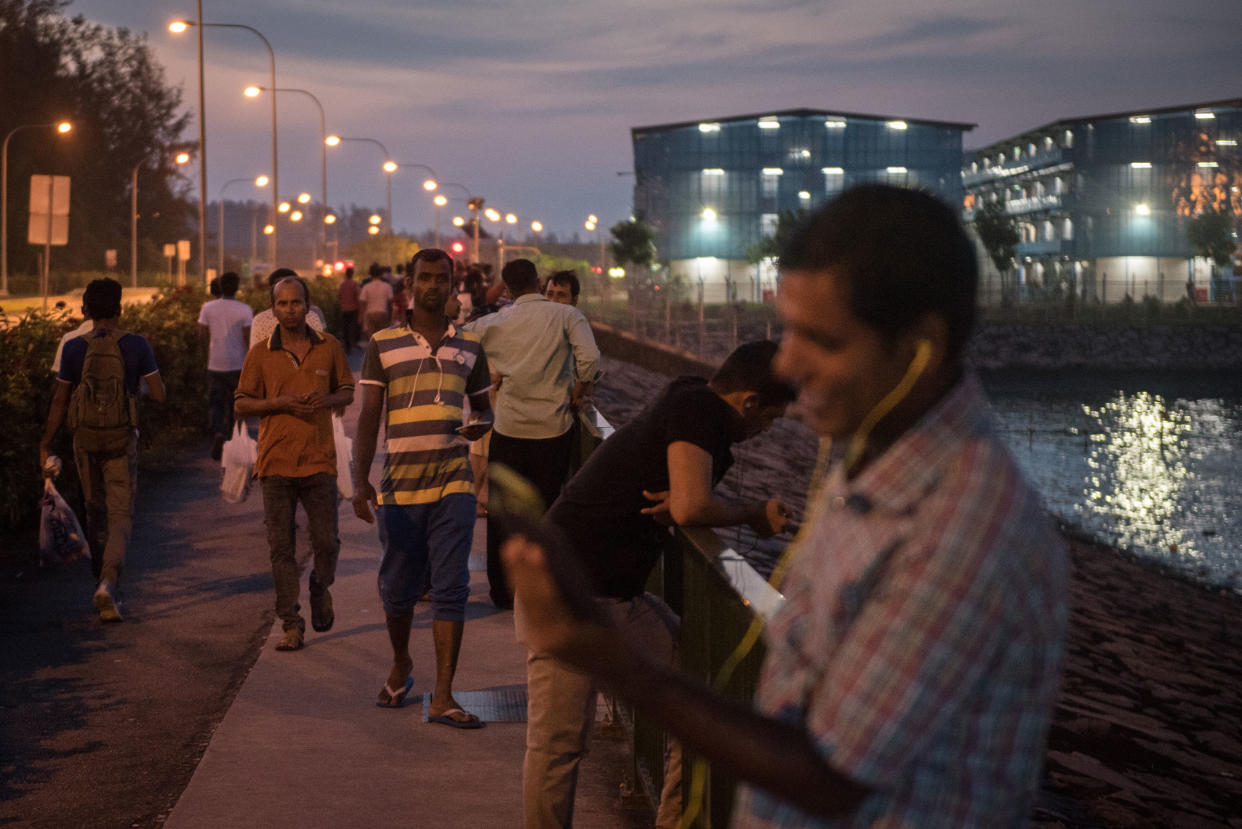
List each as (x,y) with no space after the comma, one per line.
(1102,202)
(713,189)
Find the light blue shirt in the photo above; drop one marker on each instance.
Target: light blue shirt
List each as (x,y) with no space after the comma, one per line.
(537,347)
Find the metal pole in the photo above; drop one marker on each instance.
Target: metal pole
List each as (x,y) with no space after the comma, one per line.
(133,228)
(202,146)
(47,244)
(220,240)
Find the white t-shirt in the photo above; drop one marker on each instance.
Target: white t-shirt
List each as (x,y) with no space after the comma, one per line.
(227,319)
(87,326)
(375,296)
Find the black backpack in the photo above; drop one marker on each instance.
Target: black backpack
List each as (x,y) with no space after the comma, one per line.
(102,415)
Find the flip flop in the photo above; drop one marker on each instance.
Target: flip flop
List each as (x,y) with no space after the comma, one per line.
(446,718)
(388,698)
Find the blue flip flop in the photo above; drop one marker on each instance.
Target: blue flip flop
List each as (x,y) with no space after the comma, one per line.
(388,698)
(447,719)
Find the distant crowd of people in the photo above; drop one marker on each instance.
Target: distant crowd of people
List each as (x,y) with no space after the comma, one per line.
(912,667)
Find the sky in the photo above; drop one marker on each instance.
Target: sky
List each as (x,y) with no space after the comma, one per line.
(529,103)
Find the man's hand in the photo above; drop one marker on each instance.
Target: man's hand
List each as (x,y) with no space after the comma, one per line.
(773,519)
(364,501)
(658,510)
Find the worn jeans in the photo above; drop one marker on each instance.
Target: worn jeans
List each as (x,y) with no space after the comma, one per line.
(109,483)
(221,386)
(560,709)
(318,496)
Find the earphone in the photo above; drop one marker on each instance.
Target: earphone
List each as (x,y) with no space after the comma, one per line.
(922,356)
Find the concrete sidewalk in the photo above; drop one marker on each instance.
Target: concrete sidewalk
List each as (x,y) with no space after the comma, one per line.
(303,744)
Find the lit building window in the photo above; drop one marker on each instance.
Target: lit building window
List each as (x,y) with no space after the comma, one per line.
(1048,142)
(769,122)
(895,170)
(1205,115)
(767,224)
(713,171)
(1000,158)
(835,124)
(1141,165)
(709,127)
(1140,119)
(1208,164)
(772,171)
(804,195)
(1226,142)
(1067,228)
(1068,139)
(897,125)
(974,166)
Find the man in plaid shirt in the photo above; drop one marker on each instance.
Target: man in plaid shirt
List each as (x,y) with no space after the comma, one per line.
(912,669)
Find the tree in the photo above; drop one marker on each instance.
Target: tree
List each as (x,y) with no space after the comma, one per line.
(1211,235)
(633,248)
(770,247)
(999,235)
(124,113)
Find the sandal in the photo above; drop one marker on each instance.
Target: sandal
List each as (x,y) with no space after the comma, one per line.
(292,641)
(467,721)
(388,698)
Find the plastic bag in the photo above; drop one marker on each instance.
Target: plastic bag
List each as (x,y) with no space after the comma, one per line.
(344,458)
(238,457)
(61,539)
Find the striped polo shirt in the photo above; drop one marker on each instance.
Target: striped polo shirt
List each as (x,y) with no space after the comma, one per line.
(425,390)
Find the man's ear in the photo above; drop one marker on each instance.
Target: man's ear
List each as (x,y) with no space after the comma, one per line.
(750,401)
(931,335)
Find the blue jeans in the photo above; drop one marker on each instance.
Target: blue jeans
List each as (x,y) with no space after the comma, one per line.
(280,501)
(221,386)
(420,538)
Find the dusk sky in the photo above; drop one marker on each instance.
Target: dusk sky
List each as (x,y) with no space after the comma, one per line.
(530,104)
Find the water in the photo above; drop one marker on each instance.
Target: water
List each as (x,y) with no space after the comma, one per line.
(1147,462)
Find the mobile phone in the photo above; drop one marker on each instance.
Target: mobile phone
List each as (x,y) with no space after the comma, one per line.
(515,507)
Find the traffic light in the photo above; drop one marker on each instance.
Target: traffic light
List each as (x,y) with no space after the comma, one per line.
(457,248)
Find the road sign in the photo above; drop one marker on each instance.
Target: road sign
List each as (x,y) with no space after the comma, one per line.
(170,251)
(183,250)
(49,210)
(110,257)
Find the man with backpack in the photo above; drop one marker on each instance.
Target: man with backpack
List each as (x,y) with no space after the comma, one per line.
(97,395)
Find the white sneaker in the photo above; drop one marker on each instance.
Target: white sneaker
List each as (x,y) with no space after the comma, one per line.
(105,604)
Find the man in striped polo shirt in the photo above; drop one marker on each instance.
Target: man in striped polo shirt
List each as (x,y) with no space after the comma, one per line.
(426,505)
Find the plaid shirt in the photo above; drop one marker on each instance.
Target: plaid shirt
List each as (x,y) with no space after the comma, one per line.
(921,640)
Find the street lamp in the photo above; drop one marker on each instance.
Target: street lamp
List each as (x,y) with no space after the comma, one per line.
(259,181)
(63,128)
(439,201)
(335,140)
(177,27)
(254,91)
(429,184)
(179,158)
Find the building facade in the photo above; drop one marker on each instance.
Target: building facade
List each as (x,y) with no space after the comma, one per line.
(712,190)
(1102,203)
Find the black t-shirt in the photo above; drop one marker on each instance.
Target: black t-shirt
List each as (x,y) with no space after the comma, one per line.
(599,510)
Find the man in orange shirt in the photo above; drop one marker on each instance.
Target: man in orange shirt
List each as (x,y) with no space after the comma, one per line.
(292,381)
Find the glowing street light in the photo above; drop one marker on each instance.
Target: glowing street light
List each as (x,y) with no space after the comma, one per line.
(179,158)
(373,230)
(304,198)
(283,207)
(335,141)
(492,214)
(295,216)
(329,218)
(459,221)
(178,27)
(268,230)
(258,181)
(375,219)
(61,127)
(510,218)
(536,226)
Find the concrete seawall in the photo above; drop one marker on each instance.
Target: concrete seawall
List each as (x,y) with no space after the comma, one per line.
(1071,346)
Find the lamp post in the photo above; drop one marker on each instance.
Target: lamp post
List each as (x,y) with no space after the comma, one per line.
(252,92)
(62,127)
(429,184)
(334,140)
(439,201)
(259,181)
(177,27)
(180,158)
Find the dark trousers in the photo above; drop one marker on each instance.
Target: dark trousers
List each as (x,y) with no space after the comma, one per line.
(221,386)
(109,483)
(542,461)
(319,500)
(349,329)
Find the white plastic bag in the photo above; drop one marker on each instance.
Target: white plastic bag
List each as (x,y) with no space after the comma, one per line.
(61,539)
(238,458)
(344,458)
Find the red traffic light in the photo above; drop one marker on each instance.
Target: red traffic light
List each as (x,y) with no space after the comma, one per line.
(457,247)
(597,269)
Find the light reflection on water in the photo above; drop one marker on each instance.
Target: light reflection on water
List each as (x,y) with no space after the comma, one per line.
(1146,464)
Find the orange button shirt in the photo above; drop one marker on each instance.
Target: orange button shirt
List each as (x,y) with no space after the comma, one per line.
(291,445)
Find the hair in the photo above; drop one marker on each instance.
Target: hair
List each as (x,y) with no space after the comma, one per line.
(213,287)
(349,271)
(280,275)
(749,368)
(566,278)
(520,275)
(229,283)
(902,254)
(102,299)
(429,255)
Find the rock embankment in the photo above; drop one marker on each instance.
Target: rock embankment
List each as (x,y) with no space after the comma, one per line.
(1175,347)
(1147,729)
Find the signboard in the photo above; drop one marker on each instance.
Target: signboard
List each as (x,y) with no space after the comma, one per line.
(110,257)
(183,250)
(49,210)
(170,251)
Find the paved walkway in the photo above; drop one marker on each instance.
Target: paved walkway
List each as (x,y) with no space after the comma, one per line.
(303,744)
